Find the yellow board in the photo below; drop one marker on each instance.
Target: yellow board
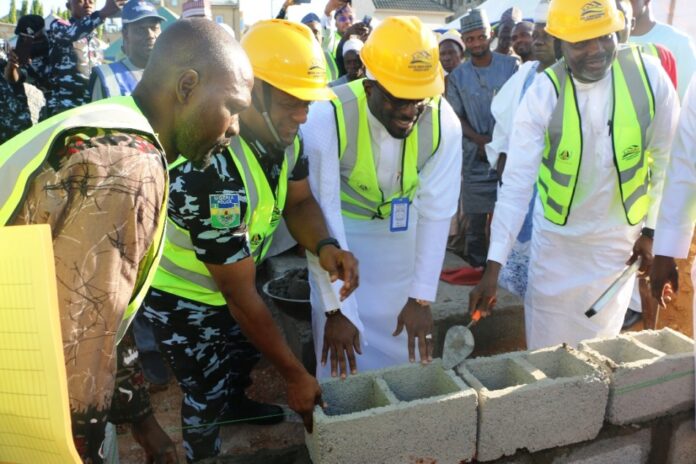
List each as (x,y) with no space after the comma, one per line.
(34,412)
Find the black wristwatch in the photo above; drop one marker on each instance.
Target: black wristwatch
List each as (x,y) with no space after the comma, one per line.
(327,241)
(647,232)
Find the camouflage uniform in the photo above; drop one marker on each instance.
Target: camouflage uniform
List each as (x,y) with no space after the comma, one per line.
(14,111)
(204,345)
(74,51)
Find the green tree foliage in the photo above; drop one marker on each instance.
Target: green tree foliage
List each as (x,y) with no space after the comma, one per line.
(25,8)
(12,17)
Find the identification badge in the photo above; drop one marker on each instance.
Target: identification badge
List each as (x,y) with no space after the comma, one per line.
(398,221)
(225,211)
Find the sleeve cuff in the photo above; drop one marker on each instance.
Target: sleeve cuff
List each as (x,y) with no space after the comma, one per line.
(672,242)
(423,292)
(498,252)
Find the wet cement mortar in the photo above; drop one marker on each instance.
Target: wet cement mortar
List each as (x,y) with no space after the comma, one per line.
(284,443)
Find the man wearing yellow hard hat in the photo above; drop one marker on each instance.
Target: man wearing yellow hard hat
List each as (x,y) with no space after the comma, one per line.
(384,164)
(582,133)
(208,317)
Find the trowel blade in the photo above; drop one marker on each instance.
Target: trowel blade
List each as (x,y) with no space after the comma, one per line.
(459,344)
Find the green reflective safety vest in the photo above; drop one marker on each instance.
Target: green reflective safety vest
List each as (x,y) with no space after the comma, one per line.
(181,273)
(21,159)
(331,68)
(632,113)
(361,196)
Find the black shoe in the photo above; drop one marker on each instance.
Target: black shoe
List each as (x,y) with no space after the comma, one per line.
(631,318)
(246,411)
(154,368)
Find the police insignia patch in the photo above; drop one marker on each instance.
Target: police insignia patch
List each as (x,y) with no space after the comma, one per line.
(224,211)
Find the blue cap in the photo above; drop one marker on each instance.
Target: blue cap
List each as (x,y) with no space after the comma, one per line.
(310,18)
(135,10)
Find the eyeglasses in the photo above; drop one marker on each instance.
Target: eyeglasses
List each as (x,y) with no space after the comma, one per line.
(400,103)
(345,19)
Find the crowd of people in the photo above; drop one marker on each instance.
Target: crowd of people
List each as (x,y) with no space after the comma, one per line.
(547,149)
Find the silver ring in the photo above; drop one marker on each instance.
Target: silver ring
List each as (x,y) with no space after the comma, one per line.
(428,336)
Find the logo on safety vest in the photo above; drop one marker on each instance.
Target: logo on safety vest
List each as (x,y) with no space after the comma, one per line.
(225,212)
(592,11)
(255,240)
(564,156)
(631,152)
(275,216)
(363,187)
(421,61)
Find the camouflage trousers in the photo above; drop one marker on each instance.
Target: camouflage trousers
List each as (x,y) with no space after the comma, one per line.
(211,359)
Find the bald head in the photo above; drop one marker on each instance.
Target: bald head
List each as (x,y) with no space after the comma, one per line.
(197,80)
(195,43)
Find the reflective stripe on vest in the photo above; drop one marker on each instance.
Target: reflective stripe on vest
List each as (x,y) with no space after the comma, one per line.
(181,273)
(361,196)
(632,113)
(650,49)
(21,159)
(116,79)
(331,68)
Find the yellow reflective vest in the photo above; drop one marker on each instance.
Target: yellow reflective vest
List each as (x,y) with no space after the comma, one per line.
(181,273)
(361,196)
(632,114)
(21,159)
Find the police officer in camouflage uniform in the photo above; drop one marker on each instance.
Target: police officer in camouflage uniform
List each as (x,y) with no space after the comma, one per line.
(209,319)
(14,111)
(74,51)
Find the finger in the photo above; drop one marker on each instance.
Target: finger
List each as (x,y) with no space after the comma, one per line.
(324,351)
(308,422)
(411,347)
(334,361)
(356,343)
(474,299)
(632,259)
(351,359)
(423,347)
(399,327)
(342,362)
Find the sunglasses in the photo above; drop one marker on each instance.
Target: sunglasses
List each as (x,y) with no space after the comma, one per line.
(345,19)
(400,103)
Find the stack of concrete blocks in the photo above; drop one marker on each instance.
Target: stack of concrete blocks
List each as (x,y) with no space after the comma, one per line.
(652,374)
(535,400)
(408,413)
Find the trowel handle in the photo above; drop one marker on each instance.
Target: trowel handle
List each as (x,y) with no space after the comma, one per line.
(475,316)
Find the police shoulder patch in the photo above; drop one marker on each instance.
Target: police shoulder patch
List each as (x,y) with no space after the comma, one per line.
(225,211)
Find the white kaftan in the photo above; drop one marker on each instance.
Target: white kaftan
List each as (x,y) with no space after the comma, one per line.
(393,265)
(571,265)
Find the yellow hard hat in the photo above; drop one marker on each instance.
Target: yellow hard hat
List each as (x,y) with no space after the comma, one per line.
(578,20)
(287,56)
(404,57)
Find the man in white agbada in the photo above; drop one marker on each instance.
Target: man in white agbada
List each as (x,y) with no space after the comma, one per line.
(385,159)
(675,223)
(597,206)
(513,276)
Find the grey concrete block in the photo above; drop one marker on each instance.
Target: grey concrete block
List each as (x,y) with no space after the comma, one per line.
(628,449)
(652,374)
(535,400)
(395,415)
(682,449)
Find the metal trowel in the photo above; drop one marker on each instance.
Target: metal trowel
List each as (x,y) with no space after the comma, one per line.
(459,343)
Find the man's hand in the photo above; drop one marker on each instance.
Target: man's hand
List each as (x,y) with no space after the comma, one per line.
(642,249)
(333,5)
(111,7)
(418,321)
(359,29)
(341,341)
(483,296)
(288,3)
(303,394)
(12,67)
(340,264)
(159,448)
(664,279)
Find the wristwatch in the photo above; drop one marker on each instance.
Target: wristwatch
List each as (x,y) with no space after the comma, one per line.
(327,241)
(647,232)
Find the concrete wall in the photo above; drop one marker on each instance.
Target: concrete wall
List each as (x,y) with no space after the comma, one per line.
(628,399)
